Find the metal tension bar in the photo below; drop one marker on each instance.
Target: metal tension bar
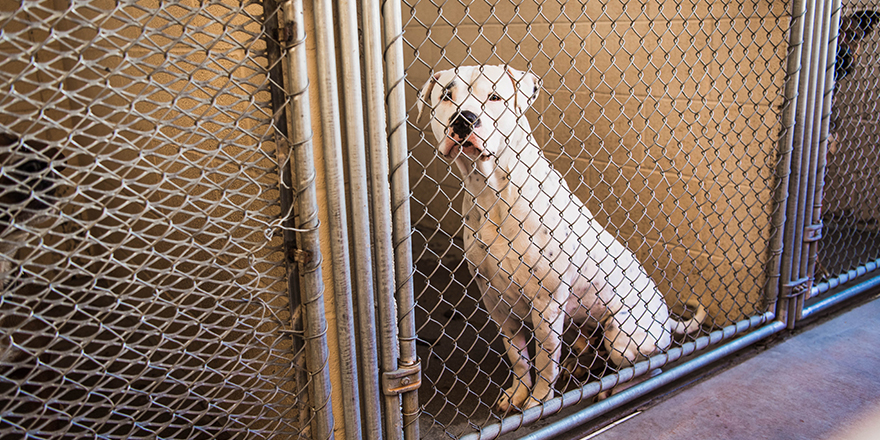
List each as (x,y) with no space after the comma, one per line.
(797,288)
(812,233)
(403,379)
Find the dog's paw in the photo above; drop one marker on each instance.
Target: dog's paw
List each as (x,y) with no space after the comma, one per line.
(513,398)
(532,402)
(574,369)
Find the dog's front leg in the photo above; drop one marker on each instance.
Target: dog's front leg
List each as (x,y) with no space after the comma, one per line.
(516,342)
(549,320)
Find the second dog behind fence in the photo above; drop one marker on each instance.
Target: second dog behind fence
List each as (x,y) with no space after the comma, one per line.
(536,252)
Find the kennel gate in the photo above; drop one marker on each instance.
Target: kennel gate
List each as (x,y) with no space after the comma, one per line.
(178,291)
(154,301)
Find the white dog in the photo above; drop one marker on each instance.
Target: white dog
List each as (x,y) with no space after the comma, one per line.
(536,251)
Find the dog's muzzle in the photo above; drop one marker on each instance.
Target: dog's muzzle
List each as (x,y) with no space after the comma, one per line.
(462,124)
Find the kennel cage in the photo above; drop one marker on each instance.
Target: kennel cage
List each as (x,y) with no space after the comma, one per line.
(225,219)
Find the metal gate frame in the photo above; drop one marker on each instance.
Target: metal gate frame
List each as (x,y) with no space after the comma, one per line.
(796,224)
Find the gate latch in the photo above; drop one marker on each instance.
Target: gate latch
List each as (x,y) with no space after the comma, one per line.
(812,233)
(797,288)
(404,379)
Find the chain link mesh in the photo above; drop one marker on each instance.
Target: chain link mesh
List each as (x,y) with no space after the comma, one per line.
(144,288)
(851,209)
(662,117)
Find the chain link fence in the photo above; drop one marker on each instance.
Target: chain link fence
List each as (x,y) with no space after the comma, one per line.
(851,234)
(144,285)
(148,247)
(662,117)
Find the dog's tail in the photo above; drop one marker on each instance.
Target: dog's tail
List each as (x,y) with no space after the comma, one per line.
(690,325)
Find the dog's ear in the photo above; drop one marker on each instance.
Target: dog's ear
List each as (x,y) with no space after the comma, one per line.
(527,87)
(425,94)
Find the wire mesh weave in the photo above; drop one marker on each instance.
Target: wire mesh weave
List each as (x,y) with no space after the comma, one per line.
(144,291)
(663,119)
(851,220)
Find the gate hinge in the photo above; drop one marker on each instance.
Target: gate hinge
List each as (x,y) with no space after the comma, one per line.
(797,288)
(299,256)
(287,33)
(812,233)
(404,379)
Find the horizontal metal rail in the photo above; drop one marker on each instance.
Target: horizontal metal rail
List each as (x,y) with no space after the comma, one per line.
(573,397)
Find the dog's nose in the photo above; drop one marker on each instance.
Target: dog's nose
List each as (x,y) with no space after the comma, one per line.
(463,123)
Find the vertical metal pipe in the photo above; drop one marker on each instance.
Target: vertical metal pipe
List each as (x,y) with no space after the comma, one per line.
(279,104)
(814,72)
(309,253)
(395,81)
(779,239)
(337,216)
(830,60)
(360,216)
(794,223)
(381,209)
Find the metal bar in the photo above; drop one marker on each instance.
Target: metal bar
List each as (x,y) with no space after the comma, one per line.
(816,144)
(654,383)
(779,270)
(288,224)
(842,296)
(801,169)
(337,216)
(834,29)
(360,218)
(381,209)
(307,207)
(573,397)
(845,278)
(791,240)
(395,84)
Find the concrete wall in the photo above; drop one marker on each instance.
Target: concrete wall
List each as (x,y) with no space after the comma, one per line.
(662,117)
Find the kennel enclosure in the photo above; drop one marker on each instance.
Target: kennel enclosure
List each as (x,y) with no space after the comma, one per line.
(252,236)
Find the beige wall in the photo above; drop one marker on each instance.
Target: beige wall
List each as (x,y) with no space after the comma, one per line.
(663,121)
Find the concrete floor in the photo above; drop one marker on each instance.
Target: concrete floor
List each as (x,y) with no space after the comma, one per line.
(822,382)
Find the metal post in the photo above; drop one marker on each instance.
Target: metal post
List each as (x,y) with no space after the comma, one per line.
(830,55)
(360,218)
(395,84)
(381,208)
(792,244)
(279,104)
(779,271)
(309,253)
(812,146)
(338,227)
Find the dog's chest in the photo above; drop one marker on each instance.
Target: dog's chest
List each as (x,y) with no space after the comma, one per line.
(514,238)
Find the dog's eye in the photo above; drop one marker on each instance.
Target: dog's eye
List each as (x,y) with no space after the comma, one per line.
(446,96)
(495,97)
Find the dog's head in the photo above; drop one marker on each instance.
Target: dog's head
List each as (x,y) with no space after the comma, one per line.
(853,29)
(28,181)
(477,110)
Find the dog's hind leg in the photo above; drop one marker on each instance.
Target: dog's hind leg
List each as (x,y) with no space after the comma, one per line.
(516,342)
